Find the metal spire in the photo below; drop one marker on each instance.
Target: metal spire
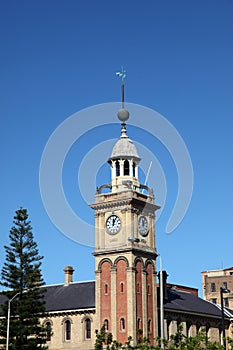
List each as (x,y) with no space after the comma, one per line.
(122,75)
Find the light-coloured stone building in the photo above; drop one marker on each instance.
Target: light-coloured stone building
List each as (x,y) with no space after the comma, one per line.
(73,318)
(213,280)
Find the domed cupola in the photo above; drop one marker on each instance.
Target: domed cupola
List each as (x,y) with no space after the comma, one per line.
(124,147)
(124,159)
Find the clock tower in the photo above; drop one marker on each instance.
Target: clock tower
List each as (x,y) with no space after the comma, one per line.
(125,253)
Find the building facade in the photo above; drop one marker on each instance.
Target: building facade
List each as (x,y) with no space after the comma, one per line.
(213,280)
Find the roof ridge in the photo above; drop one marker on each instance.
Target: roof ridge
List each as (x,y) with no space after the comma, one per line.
(63,284)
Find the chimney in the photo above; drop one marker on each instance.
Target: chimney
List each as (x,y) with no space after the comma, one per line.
(68,275)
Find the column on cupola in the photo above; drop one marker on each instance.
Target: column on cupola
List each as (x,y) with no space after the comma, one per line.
(121,161)
(136,171)
(131,167)
(113,168)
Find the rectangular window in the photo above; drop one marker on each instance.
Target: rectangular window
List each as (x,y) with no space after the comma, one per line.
(225,302)
(224,285)
(214,300)
(213,287)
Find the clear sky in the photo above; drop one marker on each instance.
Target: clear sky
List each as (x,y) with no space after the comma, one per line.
(59,57)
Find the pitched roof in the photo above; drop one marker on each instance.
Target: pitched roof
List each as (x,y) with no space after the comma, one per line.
(227,269)
(187,302)
(80,295)
(61,297)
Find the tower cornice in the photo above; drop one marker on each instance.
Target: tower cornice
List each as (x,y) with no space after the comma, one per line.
(124,200)
(137,251)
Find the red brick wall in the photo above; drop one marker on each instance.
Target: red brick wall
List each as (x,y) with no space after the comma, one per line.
(121,301)
(105,308)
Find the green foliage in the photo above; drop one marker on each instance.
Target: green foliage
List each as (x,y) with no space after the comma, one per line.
(176,341)
(197,342)
(21,274)
(230,341)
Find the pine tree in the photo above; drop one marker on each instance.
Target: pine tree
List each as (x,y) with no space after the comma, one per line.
(21,274)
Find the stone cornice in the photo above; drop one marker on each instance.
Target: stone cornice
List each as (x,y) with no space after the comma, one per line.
(125,204)
(63,313)
(137,251)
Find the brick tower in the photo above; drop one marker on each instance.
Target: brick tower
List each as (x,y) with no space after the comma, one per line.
(125,250)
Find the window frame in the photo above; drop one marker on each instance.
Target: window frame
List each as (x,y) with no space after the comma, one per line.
(213,287)
(224,285)
(149,325)
(87,328)
(122,324)
(106,324)
(105,288)
(67,330)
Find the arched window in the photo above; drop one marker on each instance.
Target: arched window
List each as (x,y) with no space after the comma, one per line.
(149,326)
(148,288)
(121,287)
(117,168)
(139,325)
(126,167)
(67,329)
(48,327)
(106,324)
(87,328)
(138,287)
(105,288)
(122,324)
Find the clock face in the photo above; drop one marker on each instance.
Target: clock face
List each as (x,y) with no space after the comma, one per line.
(113,224)
(143,226)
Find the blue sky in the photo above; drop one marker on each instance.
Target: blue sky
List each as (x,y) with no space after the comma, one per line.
(58,57)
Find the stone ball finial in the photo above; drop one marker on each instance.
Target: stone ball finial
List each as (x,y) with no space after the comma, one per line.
(123,115)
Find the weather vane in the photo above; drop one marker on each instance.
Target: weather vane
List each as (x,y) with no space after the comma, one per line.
(122,75)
